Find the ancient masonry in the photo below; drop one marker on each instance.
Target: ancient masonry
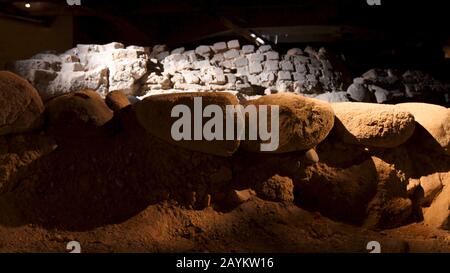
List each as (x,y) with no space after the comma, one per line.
(225,66)
(140,71)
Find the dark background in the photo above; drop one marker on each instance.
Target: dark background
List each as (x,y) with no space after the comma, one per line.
(398,34)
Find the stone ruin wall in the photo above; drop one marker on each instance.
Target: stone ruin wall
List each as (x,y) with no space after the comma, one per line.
(247,71)
(139,71)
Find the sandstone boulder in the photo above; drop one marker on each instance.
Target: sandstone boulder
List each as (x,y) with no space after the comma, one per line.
(116,100)
(20,105)
(155,115)
(372,125)
(435,124)
(276,188)
(74,112)
(303,122)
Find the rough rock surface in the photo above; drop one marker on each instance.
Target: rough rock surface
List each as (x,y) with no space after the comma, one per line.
(333,97)
(143,71)
(438,214)
(71,114)
(372,125)
(434,121)
(103,68)
(154,114)
(20,105)
(17,152)
(303,122)
(393,86)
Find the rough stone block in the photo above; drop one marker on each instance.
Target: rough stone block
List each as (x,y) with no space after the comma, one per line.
(284,75)
(233,44)
(287,66)
(219,47)
(255,68)
(255,57)
(241,61)
(203,50)
(271,65)
(264,48)
(272,55)
(247,49)
(231,54)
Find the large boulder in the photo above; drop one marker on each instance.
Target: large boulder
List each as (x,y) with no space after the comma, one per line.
(20,105)
(303,122)
(372,125)
(77,112)
(155,115)
(434,121)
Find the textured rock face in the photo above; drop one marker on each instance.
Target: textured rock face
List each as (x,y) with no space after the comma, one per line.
(372,125)
(438,214)
(103,68)
(72,113)
(303,122)
(155,115)
(333,97)
(143,71)
(435,120)
(17,152)
(390,85)
(20,105)
(116,100)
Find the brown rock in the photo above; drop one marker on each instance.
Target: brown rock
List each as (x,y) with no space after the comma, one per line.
(312,156)
(391,206)
(337,193)
(276,188)
(74,112)
(431,186)
(154,114)
(116,100)
(303,122)
(435,123)
(20,105)
(438,214)
(235,198)
(373,125)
